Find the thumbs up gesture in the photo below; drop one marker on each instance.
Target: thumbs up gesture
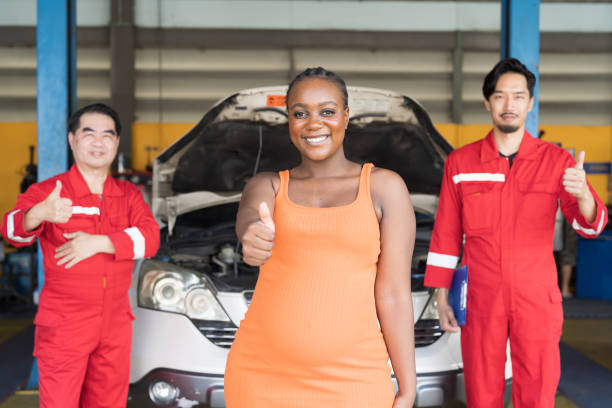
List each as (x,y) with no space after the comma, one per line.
(55,208)
(258,239)
(574,179)
(265,217)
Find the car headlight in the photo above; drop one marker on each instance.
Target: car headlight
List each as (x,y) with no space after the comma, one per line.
(169,288)
(431,309)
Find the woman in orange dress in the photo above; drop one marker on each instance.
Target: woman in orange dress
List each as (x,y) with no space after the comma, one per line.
(334,242)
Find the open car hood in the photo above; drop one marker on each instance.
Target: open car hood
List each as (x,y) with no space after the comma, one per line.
(247,133)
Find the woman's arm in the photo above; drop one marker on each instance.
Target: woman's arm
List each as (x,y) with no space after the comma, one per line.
(254,225)
(392,290)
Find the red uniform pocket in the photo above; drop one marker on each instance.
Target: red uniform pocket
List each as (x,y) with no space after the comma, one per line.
(47,323)
(538,205)
(85,223)
(480,210)
(119,222)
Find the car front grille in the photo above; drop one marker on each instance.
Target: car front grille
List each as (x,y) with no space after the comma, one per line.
(219,333)
(426,332)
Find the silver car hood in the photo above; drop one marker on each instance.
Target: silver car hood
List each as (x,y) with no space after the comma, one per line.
(180,175)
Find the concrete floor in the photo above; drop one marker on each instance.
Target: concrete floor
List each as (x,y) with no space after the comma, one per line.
(591,338)
(22,399)
(29,399)
(11,326)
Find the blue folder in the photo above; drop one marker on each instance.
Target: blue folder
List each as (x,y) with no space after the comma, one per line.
(457,295)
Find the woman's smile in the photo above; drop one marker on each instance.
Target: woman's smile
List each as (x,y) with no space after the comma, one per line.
(316,140)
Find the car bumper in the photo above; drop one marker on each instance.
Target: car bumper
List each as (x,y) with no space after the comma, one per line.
(433,389)
(206,391)
(195,390)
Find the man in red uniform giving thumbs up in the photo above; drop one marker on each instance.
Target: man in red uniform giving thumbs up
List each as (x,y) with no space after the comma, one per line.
(500,194)
(91,227)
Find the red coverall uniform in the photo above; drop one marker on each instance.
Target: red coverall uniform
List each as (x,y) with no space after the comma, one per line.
(508,217)
(84,321)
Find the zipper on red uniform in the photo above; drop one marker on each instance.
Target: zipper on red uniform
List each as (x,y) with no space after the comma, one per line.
(99,230)
(508,169)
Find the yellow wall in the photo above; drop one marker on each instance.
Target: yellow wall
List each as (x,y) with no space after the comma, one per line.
(460,135)
(14,155)
(596,141)
(154,135)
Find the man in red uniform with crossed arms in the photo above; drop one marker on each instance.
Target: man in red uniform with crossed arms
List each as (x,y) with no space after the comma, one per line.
(91,227)
(501,194)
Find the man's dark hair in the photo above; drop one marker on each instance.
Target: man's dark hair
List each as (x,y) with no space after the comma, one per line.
(320,72)
(75,119)
(502,67)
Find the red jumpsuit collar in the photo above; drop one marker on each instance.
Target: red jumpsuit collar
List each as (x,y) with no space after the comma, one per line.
(81,188)
(527,149)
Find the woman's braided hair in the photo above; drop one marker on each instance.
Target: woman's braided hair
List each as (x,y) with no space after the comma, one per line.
(320,72)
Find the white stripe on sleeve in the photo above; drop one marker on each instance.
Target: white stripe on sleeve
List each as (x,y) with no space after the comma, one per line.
(589,231)
(85,210)
(442,260)
(10,229)
(458,178)
(138,240)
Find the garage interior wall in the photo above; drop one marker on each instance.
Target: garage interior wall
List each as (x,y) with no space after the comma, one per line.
(189,54)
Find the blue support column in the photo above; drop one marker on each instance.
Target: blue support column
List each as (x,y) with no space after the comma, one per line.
(520,38)
(55,96)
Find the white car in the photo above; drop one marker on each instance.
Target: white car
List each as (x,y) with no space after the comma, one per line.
(189,300)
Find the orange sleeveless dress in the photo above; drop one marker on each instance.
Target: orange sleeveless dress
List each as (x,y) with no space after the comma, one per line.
(311,337)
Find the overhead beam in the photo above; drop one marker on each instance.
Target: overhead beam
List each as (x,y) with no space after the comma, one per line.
(520,38)
(579,42)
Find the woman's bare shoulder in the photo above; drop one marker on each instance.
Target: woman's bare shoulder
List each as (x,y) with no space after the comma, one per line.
(265,179)
(386,177)
(387,184)
(265,175)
